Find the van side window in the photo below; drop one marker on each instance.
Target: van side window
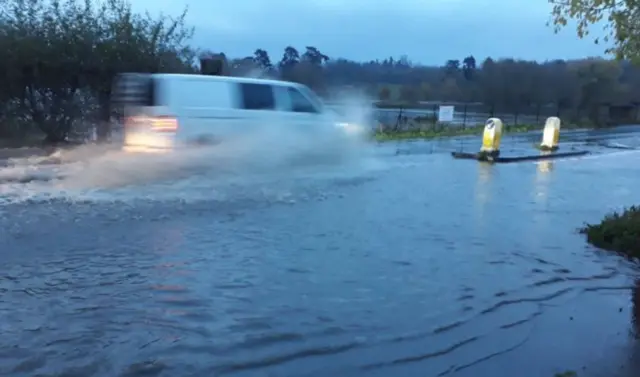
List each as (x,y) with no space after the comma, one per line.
(257,97)
(300,103)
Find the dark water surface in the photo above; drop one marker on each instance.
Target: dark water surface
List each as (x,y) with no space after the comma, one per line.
(408,265)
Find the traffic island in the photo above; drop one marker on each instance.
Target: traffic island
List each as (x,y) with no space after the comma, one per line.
(492,136)
(545,148)
(485,157)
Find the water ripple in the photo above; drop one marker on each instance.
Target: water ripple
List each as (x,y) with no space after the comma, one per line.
(414,264)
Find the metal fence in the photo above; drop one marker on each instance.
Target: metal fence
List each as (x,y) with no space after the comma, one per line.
(476,114)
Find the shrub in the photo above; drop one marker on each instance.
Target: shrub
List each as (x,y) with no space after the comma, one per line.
(58,59)
(618,231)
(568,373)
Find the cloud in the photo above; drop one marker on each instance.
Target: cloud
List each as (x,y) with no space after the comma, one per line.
(427,31)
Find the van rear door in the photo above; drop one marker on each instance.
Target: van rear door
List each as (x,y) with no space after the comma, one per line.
(138,101)
(132,91)
(134,95)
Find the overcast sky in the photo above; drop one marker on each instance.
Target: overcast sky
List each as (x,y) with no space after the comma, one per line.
(427,31)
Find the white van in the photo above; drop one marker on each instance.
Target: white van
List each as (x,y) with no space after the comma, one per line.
(164,111)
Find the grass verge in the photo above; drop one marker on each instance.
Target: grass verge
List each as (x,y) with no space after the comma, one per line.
(448,131)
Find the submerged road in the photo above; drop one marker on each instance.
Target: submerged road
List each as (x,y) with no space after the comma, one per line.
(378,265)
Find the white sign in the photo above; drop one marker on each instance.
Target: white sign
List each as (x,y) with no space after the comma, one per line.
(445,113)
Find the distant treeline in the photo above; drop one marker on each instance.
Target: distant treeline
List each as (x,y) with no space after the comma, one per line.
(582,88)
(58,60)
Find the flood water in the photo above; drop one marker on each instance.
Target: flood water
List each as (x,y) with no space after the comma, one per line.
(383,264)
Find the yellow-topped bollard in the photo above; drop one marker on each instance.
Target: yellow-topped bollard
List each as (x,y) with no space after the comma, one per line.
(491,138)
(551,134)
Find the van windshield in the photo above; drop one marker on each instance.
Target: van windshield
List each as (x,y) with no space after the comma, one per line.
(313,98)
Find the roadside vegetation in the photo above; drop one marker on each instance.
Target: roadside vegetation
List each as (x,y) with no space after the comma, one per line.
(569,373)
(58,60)
(618,232)
(431,131)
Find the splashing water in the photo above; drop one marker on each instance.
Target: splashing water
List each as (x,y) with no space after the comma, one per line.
(270,160)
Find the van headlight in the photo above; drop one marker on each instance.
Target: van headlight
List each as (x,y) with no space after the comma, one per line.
(350,127)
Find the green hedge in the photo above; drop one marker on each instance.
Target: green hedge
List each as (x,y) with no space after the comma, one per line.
(618,231)
(444,131)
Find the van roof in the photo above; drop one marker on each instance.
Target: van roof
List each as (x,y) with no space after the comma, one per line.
(236,79)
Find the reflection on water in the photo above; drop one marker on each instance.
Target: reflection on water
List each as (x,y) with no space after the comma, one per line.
(169,239)
(410,284)
(545,166)
(483,188)
(542,180)
(485,170)
(635,311)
